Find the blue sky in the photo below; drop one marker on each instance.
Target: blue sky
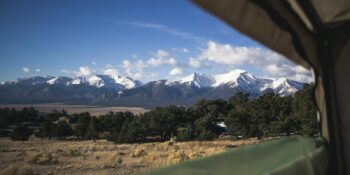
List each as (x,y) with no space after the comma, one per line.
(146,40)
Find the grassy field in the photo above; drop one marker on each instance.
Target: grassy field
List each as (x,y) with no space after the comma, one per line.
(71,109)
(39,156)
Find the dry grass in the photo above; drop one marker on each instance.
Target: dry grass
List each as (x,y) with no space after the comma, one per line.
(12,170)
(101,157)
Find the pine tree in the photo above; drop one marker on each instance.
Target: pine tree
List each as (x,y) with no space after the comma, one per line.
(21,133)
(92,130)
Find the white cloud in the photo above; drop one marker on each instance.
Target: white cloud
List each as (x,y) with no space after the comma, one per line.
(155,61)
(230,55)
(134,55)
(161,61)
(85,71)
(272,63)
(161,58)
(93,63)
(137,75)
(26,69)
(66,71)
(176,71)
(162,54)
(109,66)
(134,69)
(37,70)
(184,50)
(169,30)
(111,72)
(195,62)
(126,64)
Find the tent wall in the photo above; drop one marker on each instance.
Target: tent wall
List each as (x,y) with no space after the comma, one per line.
(342,81)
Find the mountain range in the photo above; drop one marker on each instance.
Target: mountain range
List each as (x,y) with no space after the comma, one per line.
(124,91)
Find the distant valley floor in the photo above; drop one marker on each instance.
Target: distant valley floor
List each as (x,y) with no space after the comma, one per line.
(71,109)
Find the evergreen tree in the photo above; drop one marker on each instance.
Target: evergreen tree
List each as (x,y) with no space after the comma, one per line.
(46,129)
(305,110)
(131,132)
(63,130)
(82,124)
(21,133)
(92,130)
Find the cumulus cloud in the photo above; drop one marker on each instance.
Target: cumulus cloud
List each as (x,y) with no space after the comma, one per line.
(272,63)
(109,66)
(111,72)
(134,69)
(161,58)
(162,54)
(93,63)
(26,69)
(161,61)
(85,71)
(176,71)
(193,62)
(37,70)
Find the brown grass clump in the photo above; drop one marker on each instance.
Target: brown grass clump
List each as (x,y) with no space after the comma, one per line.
(175,157)
(71,153)
(12,170)
(196,154)
(42,158)
(113,161)
(138,153)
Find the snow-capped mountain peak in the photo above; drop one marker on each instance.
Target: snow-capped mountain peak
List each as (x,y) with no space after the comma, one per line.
(197,79)
(284,86)
(110,81)
(127,82)
(232,77)
(96,81)
(78,80)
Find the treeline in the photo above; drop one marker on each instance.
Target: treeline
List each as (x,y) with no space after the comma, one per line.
(239,116)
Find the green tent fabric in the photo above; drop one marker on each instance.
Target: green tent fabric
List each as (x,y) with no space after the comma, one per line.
(295,155)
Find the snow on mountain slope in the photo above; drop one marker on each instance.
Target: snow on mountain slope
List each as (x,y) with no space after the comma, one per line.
(78,80)
(59,80)
(283,86)
(198,79)
(230,77)
(242,79)
(110,81)
(231,82)
(52,81)
(127,82)
(96,81)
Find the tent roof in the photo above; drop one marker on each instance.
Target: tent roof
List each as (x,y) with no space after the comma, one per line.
(332,11)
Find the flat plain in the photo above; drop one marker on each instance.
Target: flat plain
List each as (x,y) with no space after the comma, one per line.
(71,109)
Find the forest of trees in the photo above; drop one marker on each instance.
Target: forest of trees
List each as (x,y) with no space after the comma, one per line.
(267,115)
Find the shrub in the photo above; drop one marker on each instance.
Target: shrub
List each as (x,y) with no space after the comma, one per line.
(21,133)
(138,153)
(113,161)
(42,158)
